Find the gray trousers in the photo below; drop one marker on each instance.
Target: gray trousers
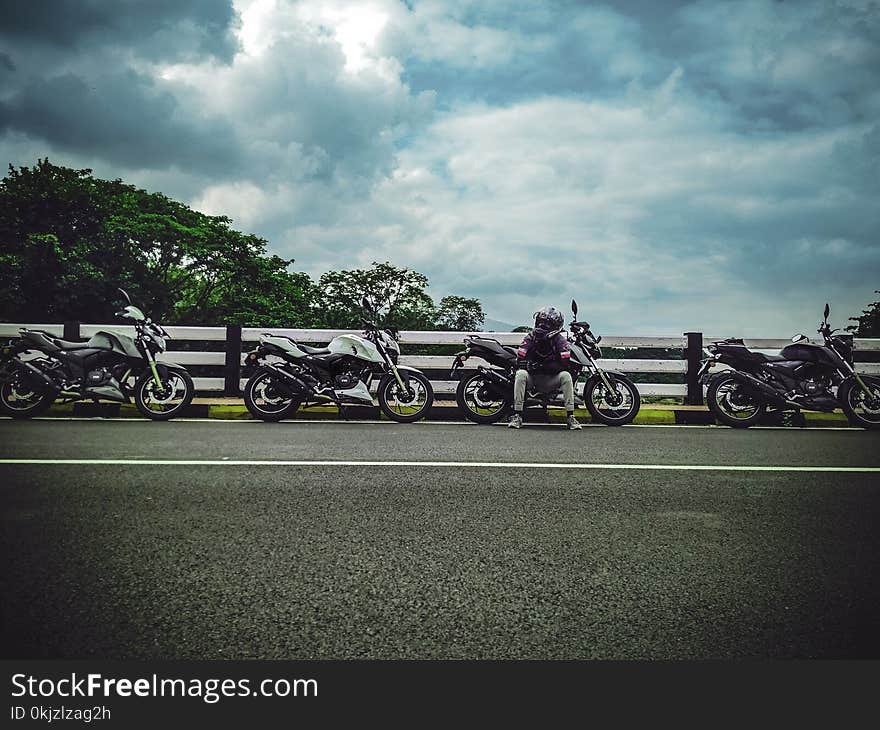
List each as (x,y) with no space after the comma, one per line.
(545,384)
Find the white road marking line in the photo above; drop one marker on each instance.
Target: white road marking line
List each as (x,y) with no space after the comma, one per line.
(441,464)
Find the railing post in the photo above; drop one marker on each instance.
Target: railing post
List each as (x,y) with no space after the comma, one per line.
(232,368)
(693,354)
(71,332)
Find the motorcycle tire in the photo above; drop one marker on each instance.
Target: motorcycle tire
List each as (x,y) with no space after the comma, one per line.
(849,391)
(387,395)
(40,403)
(471,383)
(146,381)
(603,416)
(712,400)
(264,377)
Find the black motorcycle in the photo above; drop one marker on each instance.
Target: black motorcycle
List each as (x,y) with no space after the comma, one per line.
(804,376)
(486,396)
(100,369)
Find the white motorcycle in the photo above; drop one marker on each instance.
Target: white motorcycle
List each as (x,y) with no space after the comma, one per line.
(290,376)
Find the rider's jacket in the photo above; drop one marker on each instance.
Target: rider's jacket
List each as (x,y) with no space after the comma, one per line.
(544,355)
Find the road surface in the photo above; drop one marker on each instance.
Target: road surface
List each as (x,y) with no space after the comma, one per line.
(304,541)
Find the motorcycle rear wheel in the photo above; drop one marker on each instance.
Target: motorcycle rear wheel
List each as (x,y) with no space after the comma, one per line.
(265,402)
(19,400)
(477,403)
(735,415)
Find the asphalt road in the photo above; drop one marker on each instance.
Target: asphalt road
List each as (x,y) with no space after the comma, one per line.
(302,561)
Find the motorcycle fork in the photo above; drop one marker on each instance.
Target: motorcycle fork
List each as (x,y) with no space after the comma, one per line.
(601,374)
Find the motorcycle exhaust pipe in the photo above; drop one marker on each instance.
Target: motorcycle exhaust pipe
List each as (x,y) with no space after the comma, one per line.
(498,384)
(760,388)
(35,373)
(288,382)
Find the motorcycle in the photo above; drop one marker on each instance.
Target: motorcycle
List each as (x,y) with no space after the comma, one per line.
(290,376)
(486,396)
(100,369)
(804,376)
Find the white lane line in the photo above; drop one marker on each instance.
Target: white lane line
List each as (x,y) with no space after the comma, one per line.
(441,464)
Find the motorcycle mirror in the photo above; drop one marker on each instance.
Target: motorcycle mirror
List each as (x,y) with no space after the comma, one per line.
(125,294)
(827,311)
(574,307)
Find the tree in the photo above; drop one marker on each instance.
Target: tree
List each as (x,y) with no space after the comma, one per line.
(868,322)
(396,295)
(459,314)
(69,240)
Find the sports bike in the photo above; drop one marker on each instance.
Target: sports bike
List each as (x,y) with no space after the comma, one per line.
(486,396)
(804,376)
(38,369)
(290,376)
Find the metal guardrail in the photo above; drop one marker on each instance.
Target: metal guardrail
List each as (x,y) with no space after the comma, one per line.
(236,341)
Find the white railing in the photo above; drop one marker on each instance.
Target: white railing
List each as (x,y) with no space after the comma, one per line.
(250,335)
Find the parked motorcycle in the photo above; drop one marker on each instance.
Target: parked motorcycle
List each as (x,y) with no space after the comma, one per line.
(804,376)
(100,369)
(290,376)
(486,396)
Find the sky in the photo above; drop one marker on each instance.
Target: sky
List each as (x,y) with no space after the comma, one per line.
(703,166)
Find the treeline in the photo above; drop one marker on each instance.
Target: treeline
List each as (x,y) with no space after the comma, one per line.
(68,240)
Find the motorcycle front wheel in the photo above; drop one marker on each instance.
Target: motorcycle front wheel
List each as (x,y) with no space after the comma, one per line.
(731,405)
(615,407)
(861,409)
(19,399)
(265,400)
(478,403)
(163,402)
(405,406)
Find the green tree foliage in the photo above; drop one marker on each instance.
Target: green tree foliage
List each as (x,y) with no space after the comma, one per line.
(396,295)
(69,240)
(868,322)
(460,314)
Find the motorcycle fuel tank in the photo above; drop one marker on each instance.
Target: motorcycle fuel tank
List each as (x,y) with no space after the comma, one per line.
(356,347)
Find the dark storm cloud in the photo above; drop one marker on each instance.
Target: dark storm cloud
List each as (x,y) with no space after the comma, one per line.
(166,29)
(75,76)
(121,117)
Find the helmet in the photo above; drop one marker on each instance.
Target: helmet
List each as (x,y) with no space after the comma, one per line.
(548,319)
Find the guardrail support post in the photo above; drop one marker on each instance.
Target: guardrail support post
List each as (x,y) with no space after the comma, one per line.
(71,331)
(232,367)
(693,354)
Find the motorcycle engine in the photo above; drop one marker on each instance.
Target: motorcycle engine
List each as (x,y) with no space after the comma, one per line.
(95,378)
(344,381)
(812,387)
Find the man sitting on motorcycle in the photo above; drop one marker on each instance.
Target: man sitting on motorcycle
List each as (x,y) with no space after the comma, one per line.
(542,365)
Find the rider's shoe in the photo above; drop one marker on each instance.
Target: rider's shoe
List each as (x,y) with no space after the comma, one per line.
(573,425)
(515,421)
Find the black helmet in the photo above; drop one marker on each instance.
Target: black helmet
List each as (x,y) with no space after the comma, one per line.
(548,319)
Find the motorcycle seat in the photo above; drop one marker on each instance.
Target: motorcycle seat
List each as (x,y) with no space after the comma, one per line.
(67,345)
(772,358)
(314,350)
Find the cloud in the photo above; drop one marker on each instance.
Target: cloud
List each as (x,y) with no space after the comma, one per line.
(690,165)
(182,29)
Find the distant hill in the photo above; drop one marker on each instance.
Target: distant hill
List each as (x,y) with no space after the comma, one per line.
(494,325)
